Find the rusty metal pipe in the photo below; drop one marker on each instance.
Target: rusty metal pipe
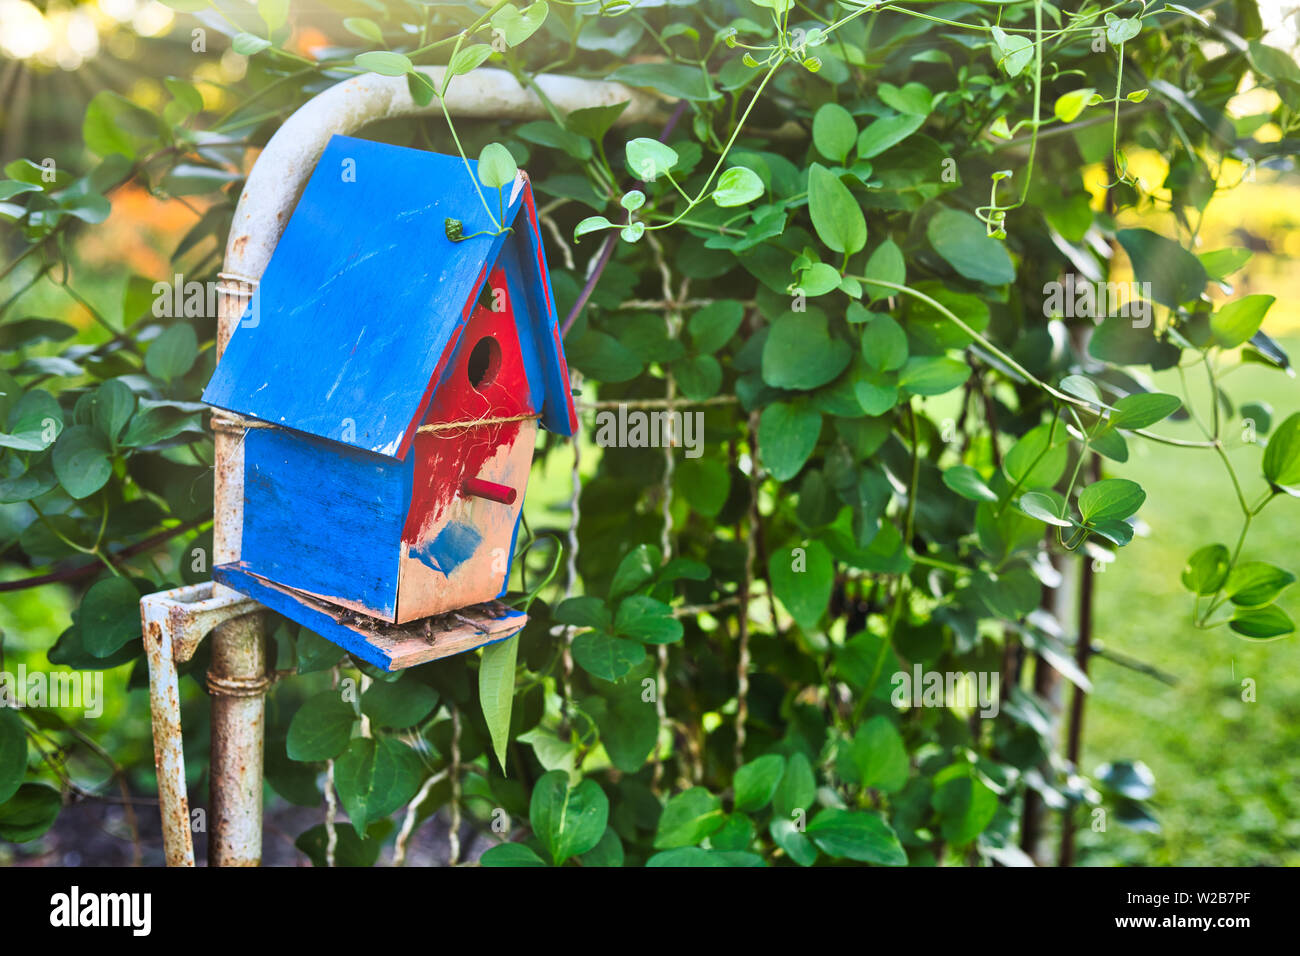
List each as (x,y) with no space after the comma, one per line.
(237,674)
(174,622)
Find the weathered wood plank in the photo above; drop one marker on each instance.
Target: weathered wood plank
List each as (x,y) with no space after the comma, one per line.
(322,518)
(387,646)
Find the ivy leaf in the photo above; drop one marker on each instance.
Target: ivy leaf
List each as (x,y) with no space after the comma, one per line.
(1118,340)
(274,13)
(516,26)
(29,812)
(1040,506)
(1143,409)
(568,820)
(878,756)
(628,725)
(834,131)
(793,841)
(1174,274)
(81,461)
(802,578)
(510,854)
(1221,263)
(364,28)
(1111,499)
(605,656)
(638,567)
(914,98)
(545,133)
(33,483)
(591,224)
(737,186)
(13,753)
(172,354)
(787,435)
(1081,387)
(1262,623)
(818,279)
(321,728)
(1037,459)
(249,44)
(496,167)
(465,61)
(798,788)
(886,133)
(672,79)
(886,263)
(1282,456)
(966,481)
(35,422)
(800,352)
(932,374)
(649,159)
(349,849)
(496,692)
(1121,30)
(965,244)
(1013,52)
(1070,105)
(1206,569)
(584,611)
(857,835)
(111,406)
(593,122)
(422,92)
(884,343)
(1237,321)
(688,818)
(154,423)
(1256,583)
(713,326)
(965,806)
(756,782)
(399,704)
(110,616)
(836,215)
(647,620)
(374,777)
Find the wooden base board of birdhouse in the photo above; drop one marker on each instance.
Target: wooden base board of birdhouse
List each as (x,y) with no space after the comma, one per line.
(391,647)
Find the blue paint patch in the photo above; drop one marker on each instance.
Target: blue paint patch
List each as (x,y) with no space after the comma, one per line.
(323,518)
(454,545)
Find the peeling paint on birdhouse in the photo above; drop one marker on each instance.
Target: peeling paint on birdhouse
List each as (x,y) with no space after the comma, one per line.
(391,386)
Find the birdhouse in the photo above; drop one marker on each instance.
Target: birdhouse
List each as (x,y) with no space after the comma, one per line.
(390,374)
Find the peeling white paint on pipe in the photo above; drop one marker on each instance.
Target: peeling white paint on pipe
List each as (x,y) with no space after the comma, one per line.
(281,171)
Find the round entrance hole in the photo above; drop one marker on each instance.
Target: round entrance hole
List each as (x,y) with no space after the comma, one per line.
(484,362)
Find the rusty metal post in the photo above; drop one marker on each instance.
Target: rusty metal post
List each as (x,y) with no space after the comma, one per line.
(174,623)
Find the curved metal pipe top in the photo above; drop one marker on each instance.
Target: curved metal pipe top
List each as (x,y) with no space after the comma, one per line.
(281,171)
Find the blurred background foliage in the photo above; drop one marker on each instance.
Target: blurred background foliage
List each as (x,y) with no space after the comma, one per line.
(1225,769)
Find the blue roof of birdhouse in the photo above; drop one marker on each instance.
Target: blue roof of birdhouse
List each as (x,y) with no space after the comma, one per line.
(365,292)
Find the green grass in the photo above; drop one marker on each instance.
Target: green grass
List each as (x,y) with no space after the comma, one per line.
(1226,769)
